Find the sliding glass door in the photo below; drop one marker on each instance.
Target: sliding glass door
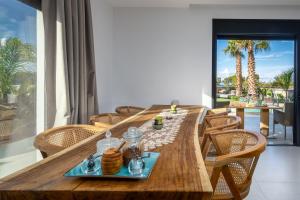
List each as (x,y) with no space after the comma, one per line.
(258,75)
(255,65)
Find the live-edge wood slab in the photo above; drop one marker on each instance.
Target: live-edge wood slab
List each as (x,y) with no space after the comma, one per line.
(179,173)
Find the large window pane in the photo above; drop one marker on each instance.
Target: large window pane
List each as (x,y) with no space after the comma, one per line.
(18,77)
(258,75)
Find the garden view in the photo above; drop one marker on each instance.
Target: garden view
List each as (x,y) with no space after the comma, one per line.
(258,72)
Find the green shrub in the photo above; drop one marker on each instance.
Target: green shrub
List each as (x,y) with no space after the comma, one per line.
(235,98)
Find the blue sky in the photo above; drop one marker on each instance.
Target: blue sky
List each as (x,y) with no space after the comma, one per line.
(17,20)
(279,58)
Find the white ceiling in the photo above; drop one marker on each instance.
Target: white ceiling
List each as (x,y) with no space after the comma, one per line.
(187,3)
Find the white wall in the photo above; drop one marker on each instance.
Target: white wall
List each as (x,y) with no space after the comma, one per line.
(102,14)
(160,54)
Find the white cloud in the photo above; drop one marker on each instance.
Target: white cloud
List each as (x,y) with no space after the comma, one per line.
(273,55)
(226,72)
(268,73)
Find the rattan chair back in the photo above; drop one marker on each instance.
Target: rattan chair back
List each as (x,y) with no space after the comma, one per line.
(128,110)
(56,139)
(106,120)
(238,152)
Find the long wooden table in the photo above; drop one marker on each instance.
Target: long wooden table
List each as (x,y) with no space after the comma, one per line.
(179,173)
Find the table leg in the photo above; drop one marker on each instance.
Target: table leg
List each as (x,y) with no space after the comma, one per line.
(264,122)
(240,112)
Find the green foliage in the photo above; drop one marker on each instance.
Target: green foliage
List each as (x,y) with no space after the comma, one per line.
(270,93)
(235,98)
(265,92)
(234,48)
(262,91)
(284,80)
(230,81)
(261,45)
(14,55)
(280,98)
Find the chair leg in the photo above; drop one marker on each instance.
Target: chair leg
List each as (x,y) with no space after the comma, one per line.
(284,132)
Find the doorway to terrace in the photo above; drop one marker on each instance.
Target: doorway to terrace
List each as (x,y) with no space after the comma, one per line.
(255,75)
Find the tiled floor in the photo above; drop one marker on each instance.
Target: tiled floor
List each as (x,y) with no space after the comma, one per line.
(277,176)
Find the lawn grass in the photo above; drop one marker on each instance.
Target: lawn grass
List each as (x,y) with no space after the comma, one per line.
(222,100)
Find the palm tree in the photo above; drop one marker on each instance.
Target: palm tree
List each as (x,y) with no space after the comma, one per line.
(14,55)
(284,81)
(234,48)
(252,47)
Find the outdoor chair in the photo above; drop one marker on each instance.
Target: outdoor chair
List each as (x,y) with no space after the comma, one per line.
(231,172)
(57,139)
(285,117)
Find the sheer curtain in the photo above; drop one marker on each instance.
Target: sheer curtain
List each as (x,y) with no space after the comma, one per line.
(70,82)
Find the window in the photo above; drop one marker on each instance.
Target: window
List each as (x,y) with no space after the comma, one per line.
(18,85)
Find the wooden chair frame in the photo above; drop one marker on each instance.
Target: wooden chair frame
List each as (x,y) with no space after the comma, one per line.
(205,144)
(209,116)
(221,163)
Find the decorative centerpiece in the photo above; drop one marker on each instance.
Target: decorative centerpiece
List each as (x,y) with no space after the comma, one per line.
(174,104)
(158,122)
(173,109)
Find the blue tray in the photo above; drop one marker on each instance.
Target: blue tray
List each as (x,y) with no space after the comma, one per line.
(78,170)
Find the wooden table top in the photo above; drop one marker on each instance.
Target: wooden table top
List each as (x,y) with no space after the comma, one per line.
(179,173)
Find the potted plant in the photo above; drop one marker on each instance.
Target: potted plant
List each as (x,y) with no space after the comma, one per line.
(158,122)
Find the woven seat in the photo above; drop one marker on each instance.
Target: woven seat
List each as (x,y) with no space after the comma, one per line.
(106,120)
(57,139)
(237,155)
(214,124)
(128,110)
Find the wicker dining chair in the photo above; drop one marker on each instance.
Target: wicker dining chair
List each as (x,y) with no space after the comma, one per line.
(217,112)
(56,139)
(128,110)
(215,124)
(211,114)
(232,170)
(106,120)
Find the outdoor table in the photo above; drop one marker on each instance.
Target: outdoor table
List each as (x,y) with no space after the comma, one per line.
(264,116)
(179,173)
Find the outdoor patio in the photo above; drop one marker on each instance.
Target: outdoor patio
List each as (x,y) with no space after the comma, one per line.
(252,122)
